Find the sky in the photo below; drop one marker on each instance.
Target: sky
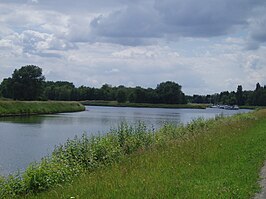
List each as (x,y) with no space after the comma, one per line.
(206,46)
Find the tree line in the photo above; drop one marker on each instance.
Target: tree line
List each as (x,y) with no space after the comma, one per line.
(239,97)
(28,83)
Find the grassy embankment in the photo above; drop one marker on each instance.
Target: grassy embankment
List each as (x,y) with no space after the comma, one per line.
(20,108)
(252,107)
(142,105)
(218,158)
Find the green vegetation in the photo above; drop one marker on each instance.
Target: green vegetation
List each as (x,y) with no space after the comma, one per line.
(252,107)
(218,158)
(25,84)
(146,105)
(17,108)
(166,92)
(240,97)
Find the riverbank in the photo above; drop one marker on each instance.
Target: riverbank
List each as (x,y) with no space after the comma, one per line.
(218,158)
(142,105)
(252,107)
(22,108)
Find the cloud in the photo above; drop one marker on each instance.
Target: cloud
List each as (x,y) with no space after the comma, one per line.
(133,23)
(35,42)
(172,19)
(140,23)
(136,53)
(34,1)
(199,44)
(203,18)
(257,30)
(35,32)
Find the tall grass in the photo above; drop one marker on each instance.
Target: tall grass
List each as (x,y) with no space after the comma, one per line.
(85,154)
(13,108)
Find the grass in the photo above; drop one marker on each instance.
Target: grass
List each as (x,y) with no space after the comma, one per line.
(144,105)
(252,107)
(18,108)
(218,158)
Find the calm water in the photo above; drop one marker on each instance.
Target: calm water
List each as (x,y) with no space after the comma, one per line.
(27,139)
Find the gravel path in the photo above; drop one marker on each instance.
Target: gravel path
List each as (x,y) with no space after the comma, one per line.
(262,194)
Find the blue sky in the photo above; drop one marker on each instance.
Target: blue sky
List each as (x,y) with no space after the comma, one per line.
(206,46)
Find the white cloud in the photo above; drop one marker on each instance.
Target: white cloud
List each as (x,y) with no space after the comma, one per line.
(200,45)
(257,31)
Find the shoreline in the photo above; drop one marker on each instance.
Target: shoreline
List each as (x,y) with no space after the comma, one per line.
(142,105)
(28,108)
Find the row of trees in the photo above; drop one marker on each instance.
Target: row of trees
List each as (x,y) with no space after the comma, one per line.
(166,92)
(239,97)
(28,83)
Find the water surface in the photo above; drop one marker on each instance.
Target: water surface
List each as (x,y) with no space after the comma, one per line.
(27,139)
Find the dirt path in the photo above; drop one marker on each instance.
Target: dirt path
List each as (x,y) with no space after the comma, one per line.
(262,194)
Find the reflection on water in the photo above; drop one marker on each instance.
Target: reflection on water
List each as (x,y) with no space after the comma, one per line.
(23,119)
(27,139)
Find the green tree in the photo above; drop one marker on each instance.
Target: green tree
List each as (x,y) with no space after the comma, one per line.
(132,97)
(106,92)
(27,83)
(170,93)
(140,95)
(6,88)
(258,86)
(239,95)
(121,96)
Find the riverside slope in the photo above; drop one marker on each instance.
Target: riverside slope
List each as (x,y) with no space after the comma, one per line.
(220,158)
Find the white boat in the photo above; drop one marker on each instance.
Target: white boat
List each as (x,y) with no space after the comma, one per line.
(227,107)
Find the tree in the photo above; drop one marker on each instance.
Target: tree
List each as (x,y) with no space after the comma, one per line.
(26,83)
(6,88)
(239,96)
(121,96)
(170,93)
(140,95)
(258,87)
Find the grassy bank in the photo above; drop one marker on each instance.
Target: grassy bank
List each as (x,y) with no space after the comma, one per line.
(252,107)
(18,108)
(218,158)
(142,105)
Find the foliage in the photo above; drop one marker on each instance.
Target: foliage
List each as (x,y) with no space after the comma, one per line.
(121,96)
(74,157)
(6,88)
(25,84)
(28,83)
(240,97)
(170,93)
